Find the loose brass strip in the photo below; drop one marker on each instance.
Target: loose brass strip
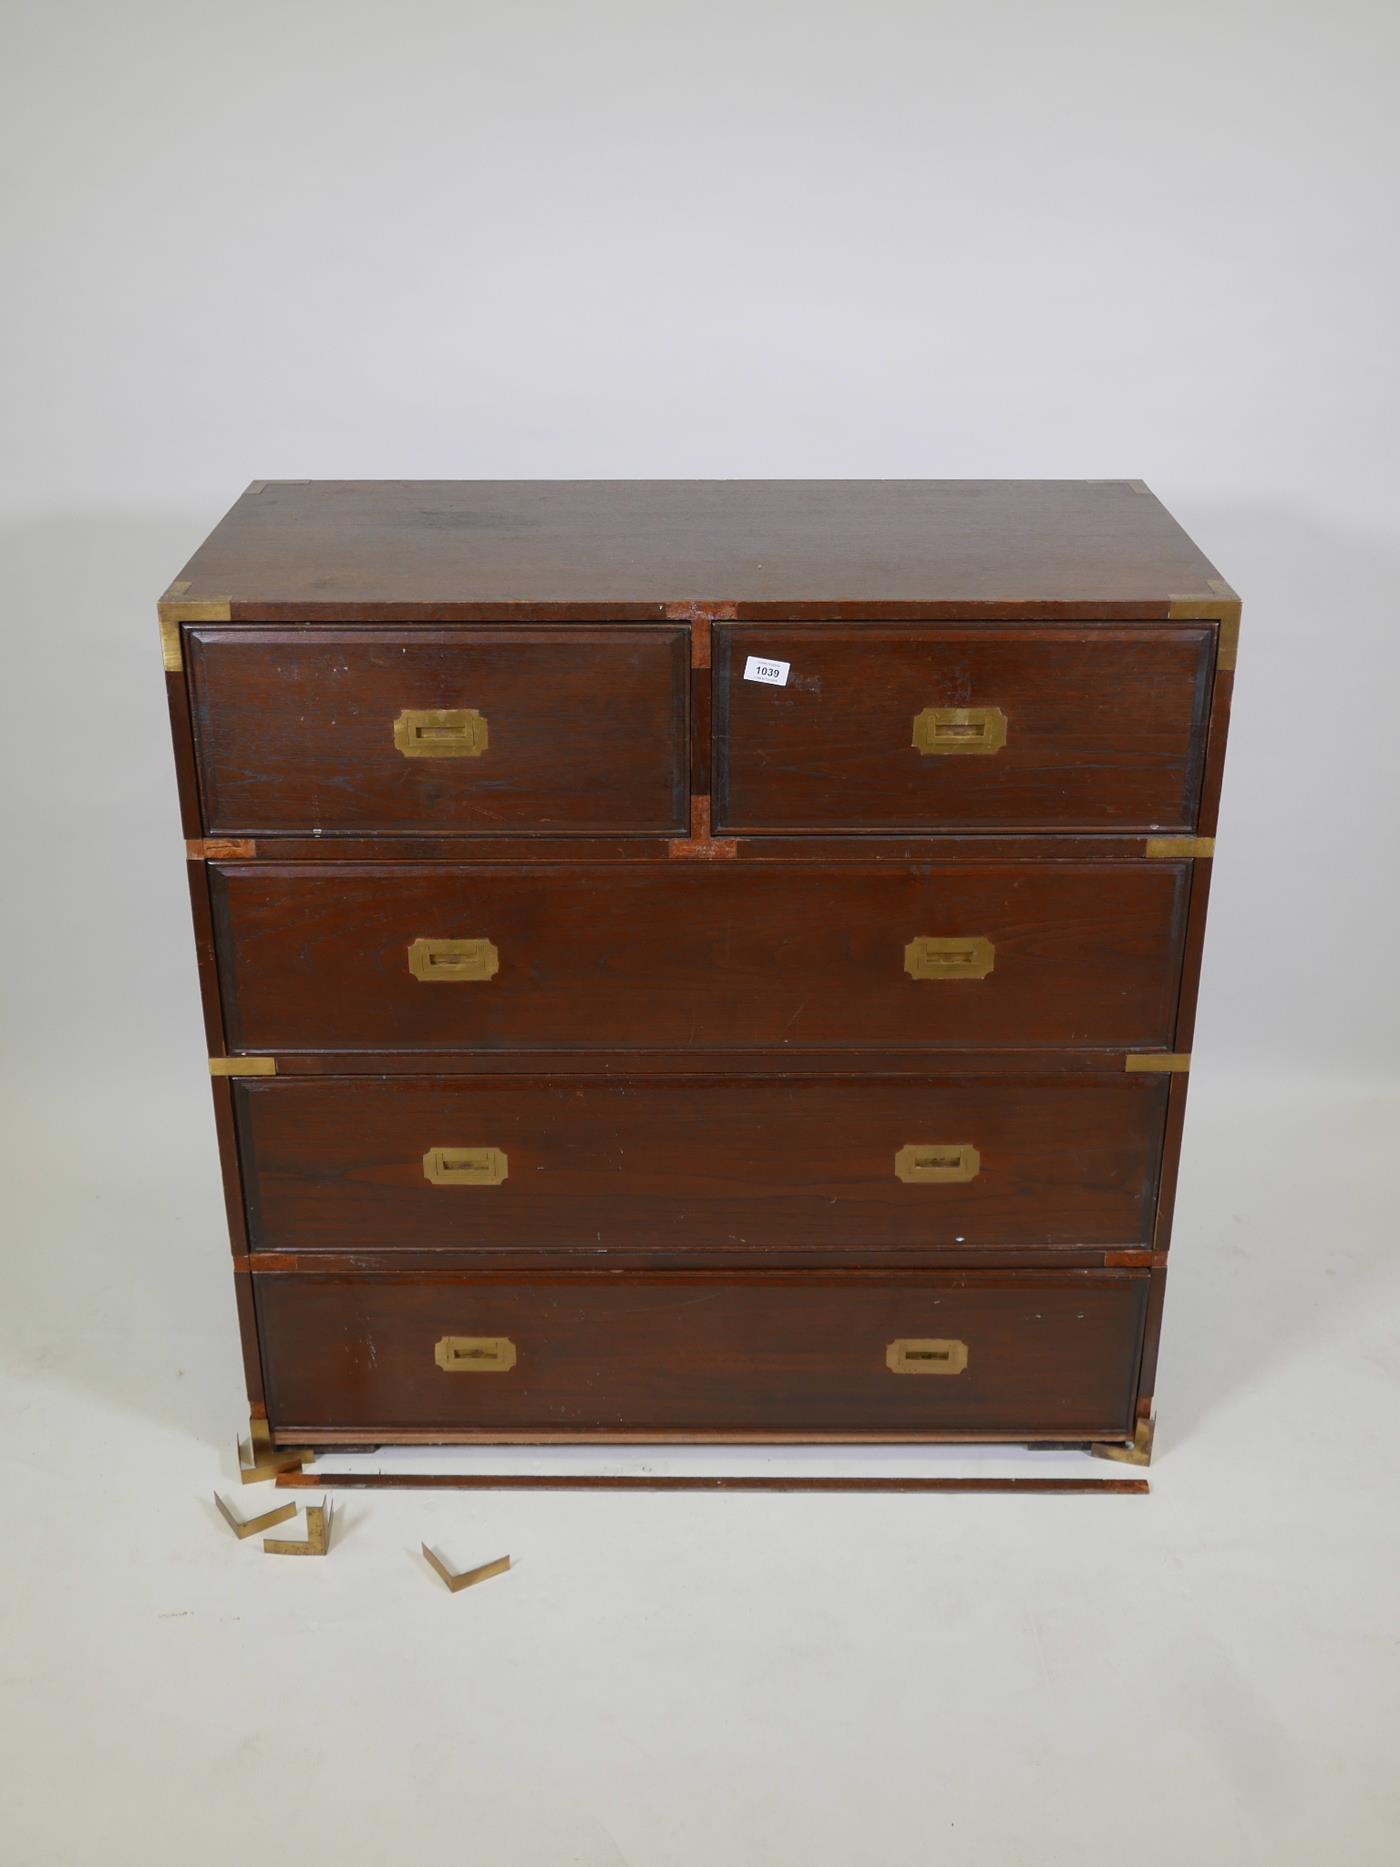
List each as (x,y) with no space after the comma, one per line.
(1159,1060)
(173,614)
(465,1166)
(915,1355)
(1176,847)
(242,1066)
(475,1354)
(468,1576)
(940,1162)
(968,957)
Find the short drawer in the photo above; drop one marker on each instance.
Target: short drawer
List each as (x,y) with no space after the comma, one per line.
(1053,1356)
(450,730)
(937,727)
(509,1165)
(740,955)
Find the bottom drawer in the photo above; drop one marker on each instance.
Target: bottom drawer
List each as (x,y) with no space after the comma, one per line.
(454,1355)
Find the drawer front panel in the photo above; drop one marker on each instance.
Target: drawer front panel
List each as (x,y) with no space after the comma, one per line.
(451,730)
(741,955)
(359,1164)
(941,728)
(1053,1355)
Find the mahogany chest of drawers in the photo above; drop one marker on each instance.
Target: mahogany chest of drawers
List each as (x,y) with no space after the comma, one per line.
(702,960)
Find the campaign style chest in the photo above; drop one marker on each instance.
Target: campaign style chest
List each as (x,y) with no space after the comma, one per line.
(700,961)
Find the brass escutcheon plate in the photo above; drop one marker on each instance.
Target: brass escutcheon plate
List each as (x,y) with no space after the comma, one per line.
(925,1355)
(465,1166)
(929,957)
(953,730)
(475,1354)
(934,1161)
(450,732)
(453,962)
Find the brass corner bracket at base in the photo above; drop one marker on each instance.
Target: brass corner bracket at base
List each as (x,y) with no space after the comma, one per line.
(250,1526)
(318,1534)
(173,613)
(259,1459)
(456,1583)
(1138,1453)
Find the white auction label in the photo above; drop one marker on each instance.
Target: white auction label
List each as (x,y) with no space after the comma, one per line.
(774,673)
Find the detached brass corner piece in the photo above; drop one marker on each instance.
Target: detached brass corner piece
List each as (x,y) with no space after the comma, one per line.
(173,612)
(318,1534)
(249,1526)
(1138,1453)
(468,1576)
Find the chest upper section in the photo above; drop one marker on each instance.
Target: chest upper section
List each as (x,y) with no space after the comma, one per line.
(520,729)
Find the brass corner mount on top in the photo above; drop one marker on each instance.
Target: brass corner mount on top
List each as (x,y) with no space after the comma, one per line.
(1222,608)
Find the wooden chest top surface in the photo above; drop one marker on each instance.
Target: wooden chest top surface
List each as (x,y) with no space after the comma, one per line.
(362,549)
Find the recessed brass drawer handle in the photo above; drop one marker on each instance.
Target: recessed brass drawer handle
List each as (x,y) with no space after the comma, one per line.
(912,1355)
(465,1166)
(451,962)
(475,1354)
(959,729)
(940,1161)
(453,732)
(967,958)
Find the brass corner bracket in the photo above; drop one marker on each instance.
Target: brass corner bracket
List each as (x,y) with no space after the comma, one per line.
(1180,848)
(1223,608)
(318,1534)
(259,1459)
(456,1583)
(242,1066)
(1138,1453)
(174,610)
(1176,1063)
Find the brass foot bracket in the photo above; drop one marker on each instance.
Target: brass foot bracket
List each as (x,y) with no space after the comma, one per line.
(259,1459)
(1138,1453)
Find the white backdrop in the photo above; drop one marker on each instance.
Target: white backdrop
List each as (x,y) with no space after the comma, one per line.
(435,238)
(416,240)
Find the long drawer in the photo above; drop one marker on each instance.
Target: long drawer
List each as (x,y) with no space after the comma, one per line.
(365,1164)
(1052,1356)
(919,728)
(746,955)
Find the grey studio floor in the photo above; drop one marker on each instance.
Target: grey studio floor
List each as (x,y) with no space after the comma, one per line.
(1208,1674)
